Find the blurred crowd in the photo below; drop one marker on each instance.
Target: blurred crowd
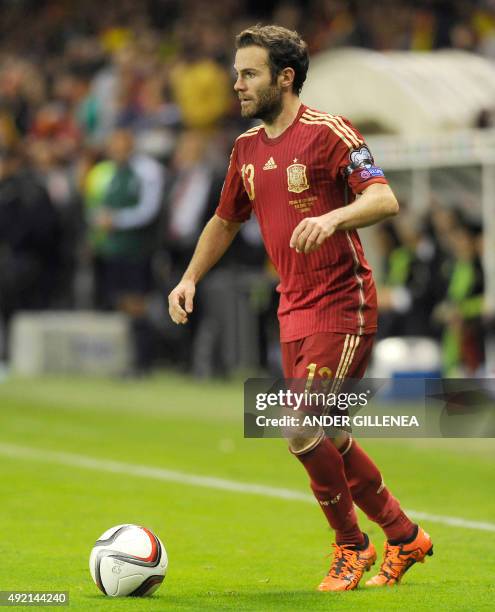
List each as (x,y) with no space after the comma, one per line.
(433,285)
(116,122)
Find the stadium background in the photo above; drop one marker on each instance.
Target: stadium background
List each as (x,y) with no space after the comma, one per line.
(418,78)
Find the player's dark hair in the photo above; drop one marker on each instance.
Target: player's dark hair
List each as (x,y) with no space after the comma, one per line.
(286,49)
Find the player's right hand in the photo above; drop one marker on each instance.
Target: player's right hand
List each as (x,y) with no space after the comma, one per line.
(180,301)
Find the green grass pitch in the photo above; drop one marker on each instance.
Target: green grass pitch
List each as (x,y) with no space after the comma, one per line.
(228,550)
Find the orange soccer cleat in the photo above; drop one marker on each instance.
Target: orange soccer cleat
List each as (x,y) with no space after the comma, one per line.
(397,559)
(348,566)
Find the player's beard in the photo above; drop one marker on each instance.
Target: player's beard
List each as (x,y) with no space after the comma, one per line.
(268,105)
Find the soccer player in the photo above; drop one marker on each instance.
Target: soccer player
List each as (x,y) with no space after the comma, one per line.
(311,181)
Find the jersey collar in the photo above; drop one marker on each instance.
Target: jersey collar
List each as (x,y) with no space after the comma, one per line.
(274,141)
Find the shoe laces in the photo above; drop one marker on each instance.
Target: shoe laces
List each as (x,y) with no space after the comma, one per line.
(393,564)
(345,560)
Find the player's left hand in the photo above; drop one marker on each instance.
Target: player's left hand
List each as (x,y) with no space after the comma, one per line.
(312,232)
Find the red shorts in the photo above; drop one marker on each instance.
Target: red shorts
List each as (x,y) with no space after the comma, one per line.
(327,355)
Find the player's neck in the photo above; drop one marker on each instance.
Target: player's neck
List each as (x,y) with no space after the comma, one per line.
(290,108)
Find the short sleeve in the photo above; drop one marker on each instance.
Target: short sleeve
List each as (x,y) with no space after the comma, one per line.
(234,202)
(351,158)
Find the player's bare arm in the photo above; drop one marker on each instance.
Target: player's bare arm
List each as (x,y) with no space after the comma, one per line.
(215,239)
(377,202)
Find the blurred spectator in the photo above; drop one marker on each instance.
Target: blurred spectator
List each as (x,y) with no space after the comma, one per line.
(288,14)
(124,200)
(461,311)
(440,223)
(29,238)
(483,24)
(201,87)
(193,192)
(407,297)
(192,196)
(391,305)
(208,345)
(332,25)
(60,181)
(22,87)
(9,135)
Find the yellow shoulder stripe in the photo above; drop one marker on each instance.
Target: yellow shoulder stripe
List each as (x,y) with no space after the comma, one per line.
(336,123)
(251,132)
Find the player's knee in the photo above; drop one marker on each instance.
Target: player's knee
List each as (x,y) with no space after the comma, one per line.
(341,441)
(301,444)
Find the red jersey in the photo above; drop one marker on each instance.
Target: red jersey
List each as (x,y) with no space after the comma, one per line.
(319,163)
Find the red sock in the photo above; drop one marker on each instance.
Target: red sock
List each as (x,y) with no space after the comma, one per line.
(326,470)
(370,494)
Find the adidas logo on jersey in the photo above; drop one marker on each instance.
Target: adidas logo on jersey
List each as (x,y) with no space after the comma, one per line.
(270,164)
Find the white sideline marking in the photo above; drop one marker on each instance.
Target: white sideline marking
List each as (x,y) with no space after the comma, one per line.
(209,482)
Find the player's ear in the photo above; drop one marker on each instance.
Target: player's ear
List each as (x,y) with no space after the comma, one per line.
(286,78)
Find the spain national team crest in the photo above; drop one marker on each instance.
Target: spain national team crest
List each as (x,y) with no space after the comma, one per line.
(296,177)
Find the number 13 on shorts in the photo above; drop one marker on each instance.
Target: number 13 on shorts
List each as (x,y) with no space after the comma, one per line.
(323,372)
